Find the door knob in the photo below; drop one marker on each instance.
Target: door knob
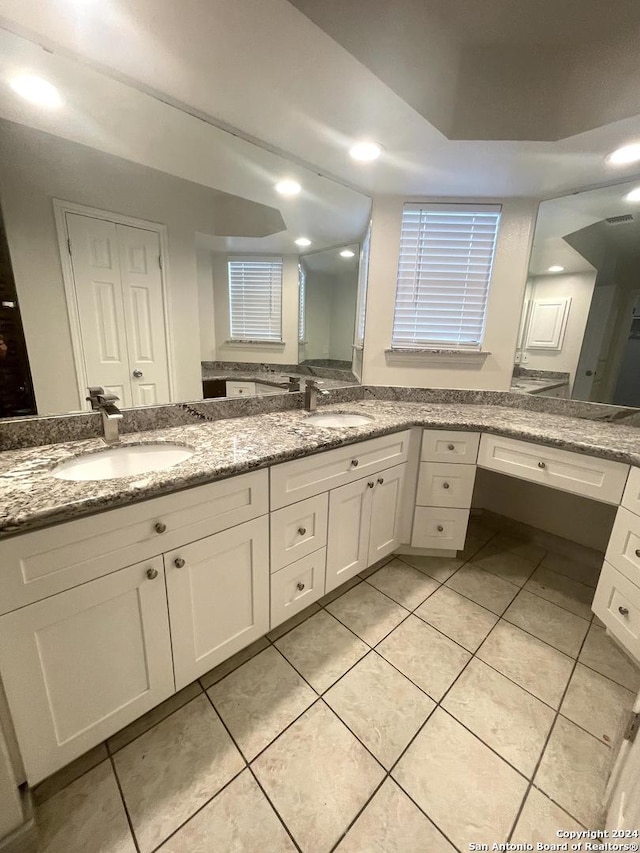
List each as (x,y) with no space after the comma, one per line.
(355,463)
(637,552)
(370,484)
(451,447)
(542,465)
(179,563)
(152,574)
(440,528)
(302,531)
(445,485)
(160,527)
(300,586)
(137,374)
(623,611)
(381,480)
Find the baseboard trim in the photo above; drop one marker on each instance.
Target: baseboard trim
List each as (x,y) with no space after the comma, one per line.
(22,840)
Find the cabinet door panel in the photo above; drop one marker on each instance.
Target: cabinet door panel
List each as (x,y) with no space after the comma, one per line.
(82,664)
(218,598)
(385,513)
(348,532)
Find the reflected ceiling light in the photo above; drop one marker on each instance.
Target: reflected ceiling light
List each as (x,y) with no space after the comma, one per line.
(303,241)
(37,90)
(626,154)
(288,187)
(365,151)
(556,268)
(347,253)
(634,195)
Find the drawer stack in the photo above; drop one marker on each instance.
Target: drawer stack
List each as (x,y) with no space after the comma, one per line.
(617,599)
(445,487)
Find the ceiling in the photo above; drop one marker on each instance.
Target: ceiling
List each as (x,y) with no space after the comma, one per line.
(266,69)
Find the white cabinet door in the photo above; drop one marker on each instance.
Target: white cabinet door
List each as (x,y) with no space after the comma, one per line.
(385,513)
(348,531)
(218,591)
(548,323)
(80,665)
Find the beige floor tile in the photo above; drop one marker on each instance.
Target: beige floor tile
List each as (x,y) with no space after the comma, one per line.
(155,715)
(606,657)
(374,568)
(494,557)
(569,594)
(85,817)
(170,771)
(520,545)
(438,568)
(471,546)
(507,718)
(573,772)
(238,820)
(540,821)
(485,589)
(367,612)
(481,528)
(222,670)
(470,793)
(548,622)
(577,570)
(68,774)
(336,593)
(597,704)
(318,776)
(429,659)
(456,616)
(529,662)
(380,706)
(293,622)
(322,650)
(403,583)
(260,699)
(391,823)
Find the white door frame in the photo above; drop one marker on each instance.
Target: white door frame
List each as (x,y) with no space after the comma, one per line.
(60,209)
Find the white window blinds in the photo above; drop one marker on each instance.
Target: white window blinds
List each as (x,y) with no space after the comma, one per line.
(363,278)
(302,285)
(444,272)
(255,299)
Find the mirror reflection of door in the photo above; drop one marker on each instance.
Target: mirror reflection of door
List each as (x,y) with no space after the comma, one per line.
(117,283)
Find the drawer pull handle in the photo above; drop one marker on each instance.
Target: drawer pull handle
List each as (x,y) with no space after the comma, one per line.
(451,447)
(179,563)
(623,611)
(355,463)
(637,552)
(300,586)
(381,480)
(370,484)
(445,485)
(542,465)
(440,528)
(302,530)
(152,574)
(160,527)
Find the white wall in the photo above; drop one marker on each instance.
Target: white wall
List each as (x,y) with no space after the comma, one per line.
(206,310)
(343,316)
(286,353)
(503,313)
(318,297)
(579,287)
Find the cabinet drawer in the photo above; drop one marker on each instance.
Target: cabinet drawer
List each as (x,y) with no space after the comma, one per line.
(303,478)
(36,565)
(241,389)
(623,550)
(444,445)
(298,530)
(631,497)
(296,586)
(445,484)
(600,479)
(617,603)
(437,527)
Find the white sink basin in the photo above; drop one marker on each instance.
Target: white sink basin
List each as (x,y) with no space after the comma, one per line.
(339,419)
(124,461)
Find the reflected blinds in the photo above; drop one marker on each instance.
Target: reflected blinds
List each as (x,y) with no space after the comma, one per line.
(255,299)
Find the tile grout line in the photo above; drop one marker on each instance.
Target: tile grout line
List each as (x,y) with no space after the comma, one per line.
(124,803)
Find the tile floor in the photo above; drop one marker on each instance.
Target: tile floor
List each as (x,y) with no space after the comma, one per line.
(428,704)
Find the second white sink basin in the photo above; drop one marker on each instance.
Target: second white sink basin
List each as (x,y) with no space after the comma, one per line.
(124,461)
(339,419)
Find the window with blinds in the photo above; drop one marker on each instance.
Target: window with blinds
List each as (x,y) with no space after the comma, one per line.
(444,273)
(363,278)
(302,285)
(255,299)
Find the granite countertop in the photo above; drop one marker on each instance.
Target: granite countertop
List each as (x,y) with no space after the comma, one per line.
(30,497)
(529,385)
(274,380)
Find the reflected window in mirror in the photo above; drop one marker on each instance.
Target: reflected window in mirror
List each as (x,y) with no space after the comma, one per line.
(302,281)
(255,299)
(363,282)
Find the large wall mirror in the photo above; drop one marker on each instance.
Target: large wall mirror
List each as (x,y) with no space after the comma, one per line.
(580,330)
(147,251)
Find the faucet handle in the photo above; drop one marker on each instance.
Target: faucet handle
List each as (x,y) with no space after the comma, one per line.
(98,396)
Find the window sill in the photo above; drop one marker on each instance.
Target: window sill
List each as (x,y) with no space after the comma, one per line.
(437,356)
(243,342)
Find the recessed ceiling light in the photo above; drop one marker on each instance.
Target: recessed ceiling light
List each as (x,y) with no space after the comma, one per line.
(556,268)
(288,187)
(37,90)
(626,154)
(303,241)
(634,195)
(365,151)
(347,253)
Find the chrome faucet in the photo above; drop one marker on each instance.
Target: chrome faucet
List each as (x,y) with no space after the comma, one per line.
(102,401)
(311,392)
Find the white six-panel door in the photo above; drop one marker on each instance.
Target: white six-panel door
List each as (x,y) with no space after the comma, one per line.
(119,296)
